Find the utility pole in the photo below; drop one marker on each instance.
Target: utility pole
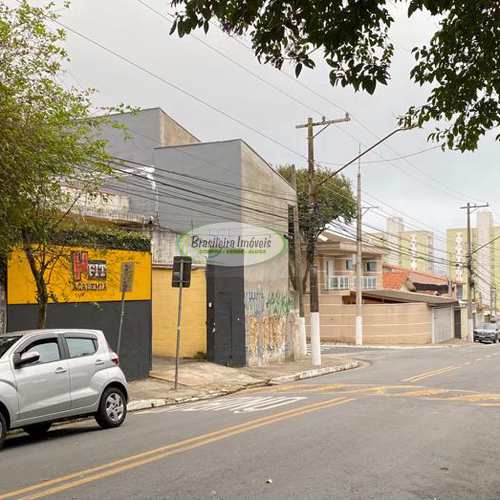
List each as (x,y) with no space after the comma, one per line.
(359,263)
(470,280)
(299,286)
(311,244)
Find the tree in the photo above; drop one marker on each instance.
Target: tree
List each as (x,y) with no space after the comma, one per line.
(50,155)
(335,200)
(461,63)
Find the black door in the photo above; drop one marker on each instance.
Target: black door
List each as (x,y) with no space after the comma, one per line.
(225,316)
(223,330)
(458,324)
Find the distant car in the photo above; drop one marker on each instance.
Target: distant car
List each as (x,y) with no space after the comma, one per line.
(50,375)
(488,332)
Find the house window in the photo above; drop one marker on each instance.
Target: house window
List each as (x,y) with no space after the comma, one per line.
(369,282)
(334,281)
(348,264)
(371,266)
(338,283)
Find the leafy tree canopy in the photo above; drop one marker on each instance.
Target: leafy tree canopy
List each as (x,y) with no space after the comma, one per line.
(50,153)
(460,64)
(334,195)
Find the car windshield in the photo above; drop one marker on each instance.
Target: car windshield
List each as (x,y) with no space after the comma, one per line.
(6,341)
(487,326)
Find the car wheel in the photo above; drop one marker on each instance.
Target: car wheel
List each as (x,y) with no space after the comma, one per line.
(112,408)
(3,429)
(37,430)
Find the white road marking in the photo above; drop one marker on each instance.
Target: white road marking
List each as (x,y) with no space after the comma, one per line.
(245,404)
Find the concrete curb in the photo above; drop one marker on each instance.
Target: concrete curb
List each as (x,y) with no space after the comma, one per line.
(146,404)
(315,372)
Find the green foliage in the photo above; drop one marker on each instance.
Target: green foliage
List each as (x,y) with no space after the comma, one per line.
(335,200)
(50,156)
(461,65)
(46,133)
(103,237)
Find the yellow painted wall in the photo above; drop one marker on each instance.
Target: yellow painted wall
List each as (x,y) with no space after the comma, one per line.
(68,287)
(194,317)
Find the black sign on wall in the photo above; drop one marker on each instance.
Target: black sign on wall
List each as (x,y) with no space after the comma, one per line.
(184,263)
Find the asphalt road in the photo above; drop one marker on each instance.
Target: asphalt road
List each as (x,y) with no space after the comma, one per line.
(410,424)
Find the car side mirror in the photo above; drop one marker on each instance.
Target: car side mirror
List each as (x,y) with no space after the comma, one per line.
(25,358)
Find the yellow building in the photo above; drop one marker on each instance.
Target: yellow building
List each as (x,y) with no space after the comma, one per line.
(84,292)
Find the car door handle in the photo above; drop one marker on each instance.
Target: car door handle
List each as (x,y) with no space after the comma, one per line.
(60,370)
(99,361)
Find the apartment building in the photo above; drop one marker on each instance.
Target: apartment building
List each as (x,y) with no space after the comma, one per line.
(393,316)
(485,259)
(405,248)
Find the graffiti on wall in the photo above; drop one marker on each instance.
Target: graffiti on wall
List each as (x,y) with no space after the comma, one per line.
(259,303)
(267,319)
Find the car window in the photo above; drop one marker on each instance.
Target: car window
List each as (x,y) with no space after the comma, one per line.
(6,342)
(81,346)
(48,350)
(487,326)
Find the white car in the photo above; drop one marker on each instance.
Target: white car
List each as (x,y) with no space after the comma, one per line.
(49,375)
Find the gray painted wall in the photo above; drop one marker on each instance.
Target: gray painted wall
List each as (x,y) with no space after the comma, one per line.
(204,183)
(144,131)
(216,166)
(136,346)
(269,302)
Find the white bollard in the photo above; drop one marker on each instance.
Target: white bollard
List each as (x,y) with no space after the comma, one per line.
(315,340)
(302,337)
(359,330)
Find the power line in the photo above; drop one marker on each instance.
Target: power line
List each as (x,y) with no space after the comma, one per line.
(201,194)
(244,68)
(177,87)
(204,179)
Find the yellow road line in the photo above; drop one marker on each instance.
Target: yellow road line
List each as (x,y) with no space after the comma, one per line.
(430,373)
(420,374)
(136,460)
(442,372)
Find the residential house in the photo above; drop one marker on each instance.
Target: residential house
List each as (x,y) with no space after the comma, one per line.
(337,265)
(390,317)
(400,278)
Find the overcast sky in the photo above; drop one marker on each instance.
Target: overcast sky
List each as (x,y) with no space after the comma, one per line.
(429,187)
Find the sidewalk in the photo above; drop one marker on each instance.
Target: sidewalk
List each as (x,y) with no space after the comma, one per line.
(440,345)
(202,380)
